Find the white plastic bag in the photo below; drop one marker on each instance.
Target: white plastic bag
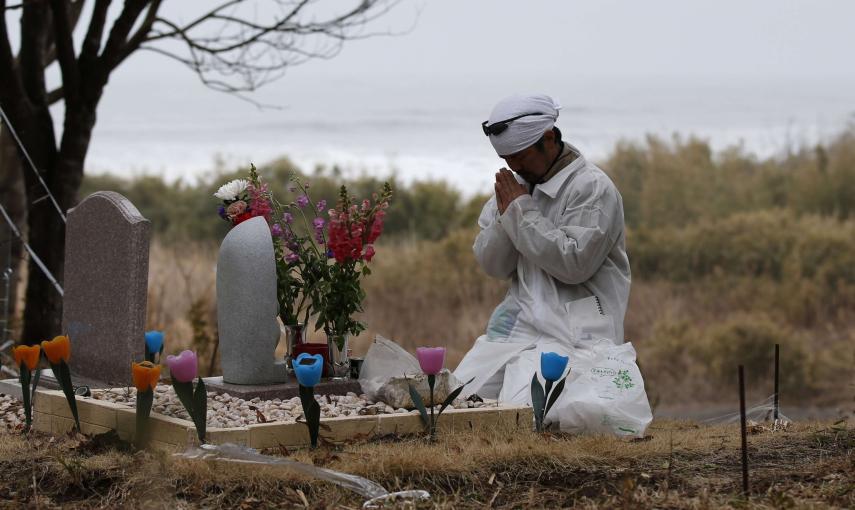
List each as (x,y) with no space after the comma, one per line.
(604,393)
(388,371)
(385,359)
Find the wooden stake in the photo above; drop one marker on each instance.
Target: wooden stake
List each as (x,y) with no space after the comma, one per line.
(743,431)
(777,349)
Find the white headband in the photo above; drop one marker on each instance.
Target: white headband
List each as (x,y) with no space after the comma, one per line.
(524,131)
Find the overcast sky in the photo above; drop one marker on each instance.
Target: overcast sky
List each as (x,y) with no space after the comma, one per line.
(536,40)
(460,56)
(672,37)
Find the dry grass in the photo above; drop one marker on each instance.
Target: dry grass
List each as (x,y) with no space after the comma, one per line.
(681,465)
(689,336)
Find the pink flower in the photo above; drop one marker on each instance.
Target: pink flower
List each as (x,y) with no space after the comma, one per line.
(321,205)
(287,218)
(276,230)
(182,367)
(235,209)
(302,201)
(292,257)
(369,253)
(431,359)
(260,200)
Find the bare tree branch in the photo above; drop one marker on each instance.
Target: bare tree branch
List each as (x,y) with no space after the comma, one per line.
(142,32)
(12,95)
(92,40)
(110,57)
(76,10)
(35,18)
(233,51)
(55,95)
(65,50)
(7,60)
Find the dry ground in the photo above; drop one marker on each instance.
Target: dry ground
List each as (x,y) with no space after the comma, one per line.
(680,465)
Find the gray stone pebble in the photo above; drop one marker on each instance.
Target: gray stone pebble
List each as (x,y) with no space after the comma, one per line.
(225,410)
(12,411)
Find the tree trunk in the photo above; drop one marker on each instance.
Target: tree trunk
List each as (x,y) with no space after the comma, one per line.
(43,304)
(13,199)
(43,313)
(43,309)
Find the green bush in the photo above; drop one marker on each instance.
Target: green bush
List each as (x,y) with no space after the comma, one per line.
(749,339)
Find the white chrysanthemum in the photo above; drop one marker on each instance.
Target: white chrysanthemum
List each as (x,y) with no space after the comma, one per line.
(232,190)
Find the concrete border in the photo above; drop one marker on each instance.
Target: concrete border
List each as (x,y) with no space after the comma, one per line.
(52,415)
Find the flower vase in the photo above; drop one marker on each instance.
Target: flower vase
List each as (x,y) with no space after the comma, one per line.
(295,335)
(338,357)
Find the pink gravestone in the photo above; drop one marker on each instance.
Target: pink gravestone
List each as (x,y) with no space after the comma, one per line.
(105,283)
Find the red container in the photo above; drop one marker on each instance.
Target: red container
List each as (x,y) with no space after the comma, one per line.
(321,349)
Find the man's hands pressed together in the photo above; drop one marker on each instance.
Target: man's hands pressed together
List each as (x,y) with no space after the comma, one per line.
(507,189)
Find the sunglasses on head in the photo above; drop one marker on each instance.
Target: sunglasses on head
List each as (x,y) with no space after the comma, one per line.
(499,127)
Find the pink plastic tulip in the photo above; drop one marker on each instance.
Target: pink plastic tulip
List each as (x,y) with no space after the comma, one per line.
(431,359)
(182,367)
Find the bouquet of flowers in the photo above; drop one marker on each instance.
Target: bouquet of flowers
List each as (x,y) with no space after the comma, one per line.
(319,264)
(353,229)
(300,262)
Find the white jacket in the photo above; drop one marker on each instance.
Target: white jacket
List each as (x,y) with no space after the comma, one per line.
(563,243)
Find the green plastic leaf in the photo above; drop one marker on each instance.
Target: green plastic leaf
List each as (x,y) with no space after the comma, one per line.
(200,409)
(312,412)
(35,383)
(184,390)
(24,377)
(144,401)
(554,396)
(537,402)
(451,396)
(63,377)
(420,405)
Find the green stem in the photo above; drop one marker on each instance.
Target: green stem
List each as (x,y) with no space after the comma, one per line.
(144,401)
(63,377)
(314,208)
(431,381)
(25,393)
(312,413)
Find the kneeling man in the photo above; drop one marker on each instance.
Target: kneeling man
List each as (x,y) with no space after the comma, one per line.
(555,229)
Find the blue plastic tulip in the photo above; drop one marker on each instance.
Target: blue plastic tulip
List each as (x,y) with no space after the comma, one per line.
(153,342)
(308,368)
(552,365)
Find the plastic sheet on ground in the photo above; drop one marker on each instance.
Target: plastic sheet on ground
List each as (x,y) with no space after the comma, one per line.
(762,412)
(374,493)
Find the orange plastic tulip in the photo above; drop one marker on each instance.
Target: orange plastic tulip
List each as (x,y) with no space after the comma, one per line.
(146,375)
(58,349)
(28,355)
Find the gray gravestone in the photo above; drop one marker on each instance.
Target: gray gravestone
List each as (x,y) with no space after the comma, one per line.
(106,284)
(247,306)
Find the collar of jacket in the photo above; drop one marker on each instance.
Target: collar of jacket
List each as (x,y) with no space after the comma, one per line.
(569,160)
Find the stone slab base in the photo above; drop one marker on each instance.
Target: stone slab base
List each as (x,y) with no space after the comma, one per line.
(11,387)
(281,391)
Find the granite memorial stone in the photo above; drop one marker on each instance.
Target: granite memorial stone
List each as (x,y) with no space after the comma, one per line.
(247,306)
(105,283)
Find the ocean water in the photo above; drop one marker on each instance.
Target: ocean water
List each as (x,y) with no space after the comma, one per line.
(424,127)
